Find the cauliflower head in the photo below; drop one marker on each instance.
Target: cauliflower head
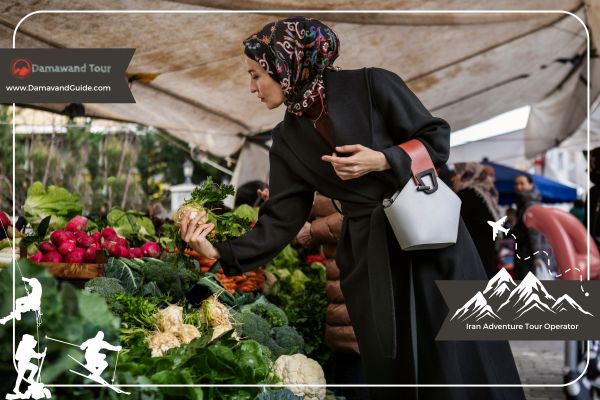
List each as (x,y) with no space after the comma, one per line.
(299,369)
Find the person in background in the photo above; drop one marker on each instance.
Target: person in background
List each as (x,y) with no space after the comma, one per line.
(578,210)
(253,193)
(476,189)
(528,241)
(594,199)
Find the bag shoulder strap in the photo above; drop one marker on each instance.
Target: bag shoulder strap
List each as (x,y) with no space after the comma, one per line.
(421,164)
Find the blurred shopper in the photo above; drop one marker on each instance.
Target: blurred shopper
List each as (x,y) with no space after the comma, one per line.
(594,200)
(477,191)
(529,256)
(253,193)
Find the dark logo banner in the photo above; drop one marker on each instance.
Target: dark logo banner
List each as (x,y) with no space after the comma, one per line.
(65,76)
(504,309)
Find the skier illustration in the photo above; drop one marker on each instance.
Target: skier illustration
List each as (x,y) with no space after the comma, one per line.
(25,352)
(31,302)
(95,360)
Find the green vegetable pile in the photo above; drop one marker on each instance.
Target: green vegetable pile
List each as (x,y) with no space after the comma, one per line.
(151,276)
(57,202)
(299,289)
(268,325)
(133,225)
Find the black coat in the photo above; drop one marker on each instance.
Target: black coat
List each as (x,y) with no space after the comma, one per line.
(395,318)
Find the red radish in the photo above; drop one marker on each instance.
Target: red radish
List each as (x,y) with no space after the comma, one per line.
(116,251)
(151,249)
(96,236)
(135,252)
(37,257)
(46,247)
(66,247)
(80,234)
(109,234)
(85,242)
(76,224)
(53,257)
(58,236)
(4,220)
(108,245)
(124,252)
(122,242)
(90,253)
(76,256)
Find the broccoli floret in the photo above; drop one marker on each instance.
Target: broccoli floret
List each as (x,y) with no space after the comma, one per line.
(284,394)
(105,287)
(274,315)
(166,278)
(288,339)
(254,327)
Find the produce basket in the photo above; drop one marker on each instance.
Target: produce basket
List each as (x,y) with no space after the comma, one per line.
(74,271)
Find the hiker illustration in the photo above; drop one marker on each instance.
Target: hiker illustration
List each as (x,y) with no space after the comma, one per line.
(95,361)
(25,352)
(31,302)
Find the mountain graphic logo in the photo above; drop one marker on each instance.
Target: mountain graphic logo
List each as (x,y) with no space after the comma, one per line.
(504,300)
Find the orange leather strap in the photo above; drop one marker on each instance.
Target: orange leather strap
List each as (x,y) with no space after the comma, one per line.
(421,161)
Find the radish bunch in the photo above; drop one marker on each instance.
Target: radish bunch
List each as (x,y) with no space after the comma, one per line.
(74,245)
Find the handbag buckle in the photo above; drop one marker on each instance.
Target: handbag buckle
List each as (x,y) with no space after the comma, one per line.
(421,186)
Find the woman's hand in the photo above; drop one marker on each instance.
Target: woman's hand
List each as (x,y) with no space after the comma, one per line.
(362,161)
(193,232)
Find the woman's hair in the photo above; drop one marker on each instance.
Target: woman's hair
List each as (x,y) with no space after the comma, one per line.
(246,193)
(526,175)
(295,52)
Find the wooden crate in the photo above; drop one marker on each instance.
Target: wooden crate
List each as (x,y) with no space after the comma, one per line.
(73,271)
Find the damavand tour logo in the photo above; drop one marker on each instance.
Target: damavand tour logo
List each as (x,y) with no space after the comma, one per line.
(20,68)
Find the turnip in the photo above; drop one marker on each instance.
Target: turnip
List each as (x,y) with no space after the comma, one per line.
(194,209)
(90,253)
(37,257)
(151,249)
(186,333)
(53,257)
(85,241)
(160,342)
(76,256)
(169,319)
(58,236)
(46,247)
(76,224)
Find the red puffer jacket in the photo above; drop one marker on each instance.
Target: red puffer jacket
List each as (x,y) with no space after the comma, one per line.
(325,230)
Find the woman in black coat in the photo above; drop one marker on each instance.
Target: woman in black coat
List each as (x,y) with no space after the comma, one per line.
(340,136)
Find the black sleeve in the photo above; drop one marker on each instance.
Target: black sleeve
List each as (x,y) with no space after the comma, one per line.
(407,118)
(279,220)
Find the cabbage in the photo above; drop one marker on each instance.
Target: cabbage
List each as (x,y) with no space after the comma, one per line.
(56,202)
(132,225)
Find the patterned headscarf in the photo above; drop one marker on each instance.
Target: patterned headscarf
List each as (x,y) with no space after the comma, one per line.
(472,175)
(295,52)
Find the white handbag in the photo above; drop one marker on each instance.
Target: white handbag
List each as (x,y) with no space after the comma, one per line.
(425,213)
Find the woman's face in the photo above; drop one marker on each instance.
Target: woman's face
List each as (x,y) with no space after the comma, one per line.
(522,184)
(265,87)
